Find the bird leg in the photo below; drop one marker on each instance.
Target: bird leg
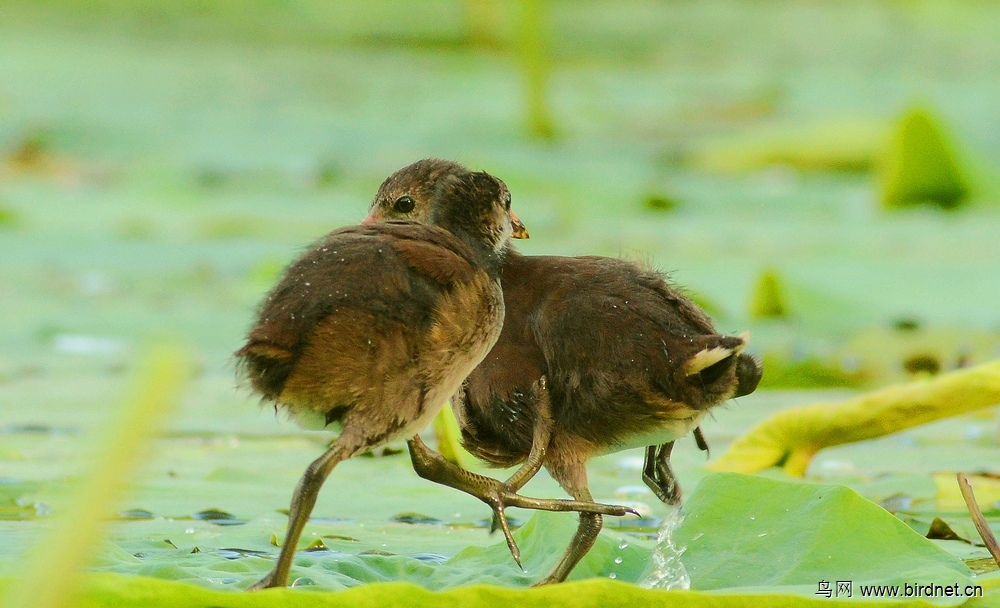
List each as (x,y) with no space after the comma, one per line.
(432,466)
(665,475)
(649,471)
(574,481)
(539,440)
(303,501)
(539,446)
(658,475)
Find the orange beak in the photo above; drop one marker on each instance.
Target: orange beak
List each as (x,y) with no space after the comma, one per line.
(520,232)
(370,218)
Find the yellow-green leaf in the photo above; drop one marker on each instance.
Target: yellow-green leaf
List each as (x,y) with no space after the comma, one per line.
(792,437)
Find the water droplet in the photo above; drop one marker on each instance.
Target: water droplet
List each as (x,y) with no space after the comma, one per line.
(623,544)
(668,570)
(227,580)
(612,575)
(189,531)
(762,535)
(618,560)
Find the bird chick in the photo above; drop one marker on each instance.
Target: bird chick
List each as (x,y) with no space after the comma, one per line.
(375,326)
(596,355)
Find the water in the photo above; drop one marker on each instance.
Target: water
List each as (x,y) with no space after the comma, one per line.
(668,570)
(303,581)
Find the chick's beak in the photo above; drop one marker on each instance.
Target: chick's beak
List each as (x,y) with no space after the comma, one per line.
(370,218)
(520,232)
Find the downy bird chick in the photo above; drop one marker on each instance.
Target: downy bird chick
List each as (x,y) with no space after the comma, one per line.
(596,355)
(375,326)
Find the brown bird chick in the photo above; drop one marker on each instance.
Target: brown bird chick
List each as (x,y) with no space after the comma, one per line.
(596,355)
(376,326)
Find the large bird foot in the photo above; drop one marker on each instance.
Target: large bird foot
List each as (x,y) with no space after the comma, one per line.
(432,466)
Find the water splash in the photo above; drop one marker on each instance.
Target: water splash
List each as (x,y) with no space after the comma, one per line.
(668,571)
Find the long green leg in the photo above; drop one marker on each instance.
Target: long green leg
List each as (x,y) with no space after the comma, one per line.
(574,481)
(432,466)
(303,501)
(539,446)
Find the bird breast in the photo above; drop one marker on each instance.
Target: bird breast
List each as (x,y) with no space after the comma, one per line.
(467,323)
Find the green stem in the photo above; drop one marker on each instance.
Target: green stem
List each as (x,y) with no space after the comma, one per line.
(534,60)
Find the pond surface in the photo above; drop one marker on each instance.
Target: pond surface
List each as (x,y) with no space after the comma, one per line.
(158,174)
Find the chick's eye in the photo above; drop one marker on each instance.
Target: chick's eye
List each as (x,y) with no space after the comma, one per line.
(403,204)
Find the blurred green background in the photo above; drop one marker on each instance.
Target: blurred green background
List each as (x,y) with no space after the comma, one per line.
(823,174)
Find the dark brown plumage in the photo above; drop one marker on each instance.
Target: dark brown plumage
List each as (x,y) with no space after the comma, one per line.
(376,326)
(603,356)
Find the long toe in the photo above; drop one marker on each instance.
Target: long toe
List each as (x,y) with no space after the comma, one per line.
(557,504)
(500,520)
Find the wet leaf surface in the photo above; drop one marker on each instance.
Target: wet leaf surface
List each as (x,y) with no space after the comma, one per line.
(218,517)
(246,134)
(748,532)
(415,518)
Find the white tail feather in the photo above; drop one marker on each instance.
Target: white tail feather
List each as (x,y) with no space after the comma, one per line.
(705,358)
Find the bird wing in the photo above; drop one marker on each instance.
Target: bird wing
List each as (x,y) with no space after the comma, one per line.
(394,272)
